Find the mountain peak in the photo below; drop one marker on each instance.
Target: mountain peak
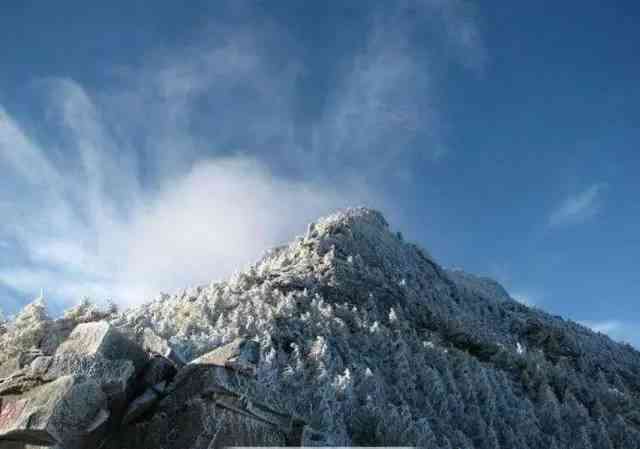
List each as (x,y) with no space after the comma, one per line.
(355,217)
(370,341)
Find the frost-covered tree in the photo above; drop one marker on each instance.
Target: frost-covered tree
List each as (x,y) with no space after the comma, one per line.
(26,331)
(581,439)
(87,311)
(600,436)
(549,412)
(3,323)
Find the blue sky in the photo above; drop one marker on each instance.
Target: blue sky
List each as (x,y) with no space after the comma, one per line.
(502,138)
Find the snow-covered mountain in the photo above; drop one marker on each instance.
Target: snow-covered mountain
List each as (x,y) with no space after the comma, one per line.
(369,340)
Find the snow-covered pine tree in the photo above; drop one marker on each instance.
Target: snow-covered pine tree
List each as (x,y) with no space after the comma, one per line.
(3,323)
(26,331)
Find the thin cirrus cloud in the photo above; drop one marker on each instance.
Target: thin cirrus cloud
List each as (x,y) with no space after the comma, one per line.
(388,101)
(580,207)
(171,176)
(82,237)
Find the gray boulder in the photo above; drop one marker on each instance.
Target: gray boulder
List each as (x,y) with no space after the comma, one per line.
(70,411)
(104,371)
(95,351)
(116,378)
(101,338)
(211,404)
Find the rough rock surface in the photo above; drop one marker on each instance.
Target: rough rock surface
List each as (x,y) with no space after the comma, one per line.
(90,394)
(102,339)
(363,340)
(211,403)
(70,411)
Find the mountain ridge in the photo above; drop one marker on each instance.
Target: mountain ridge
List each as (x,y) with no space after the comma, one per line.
(352,259)
(367,338)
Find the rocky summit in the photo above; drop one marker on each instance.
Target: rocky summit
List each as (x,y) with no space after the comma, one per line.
(347,336)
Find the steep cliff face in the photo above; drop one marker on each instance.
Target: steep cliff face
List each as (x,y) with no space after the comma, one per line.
(368,340)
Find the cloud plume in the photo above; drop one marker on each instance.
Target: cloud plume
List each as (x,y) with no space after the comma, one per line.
(98,233)
(187,168)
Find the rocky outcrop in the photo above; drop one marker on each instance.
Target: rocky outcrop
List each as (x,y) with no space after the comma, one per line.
(100,389)
(101,338)
(209,404)
(70,411)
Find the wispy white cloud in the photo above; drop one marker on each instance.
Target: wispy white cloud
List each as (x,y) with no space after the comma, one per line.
(199,226)
(388,100)
(170,177)
(622,331)
(216,219)
(19,155)
(377,105)
(579,207)
(91,229)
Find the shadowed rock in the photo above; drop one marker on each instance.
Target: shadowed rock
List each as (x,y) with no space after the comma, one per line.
(141,405)
(158,369)
(210,404)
